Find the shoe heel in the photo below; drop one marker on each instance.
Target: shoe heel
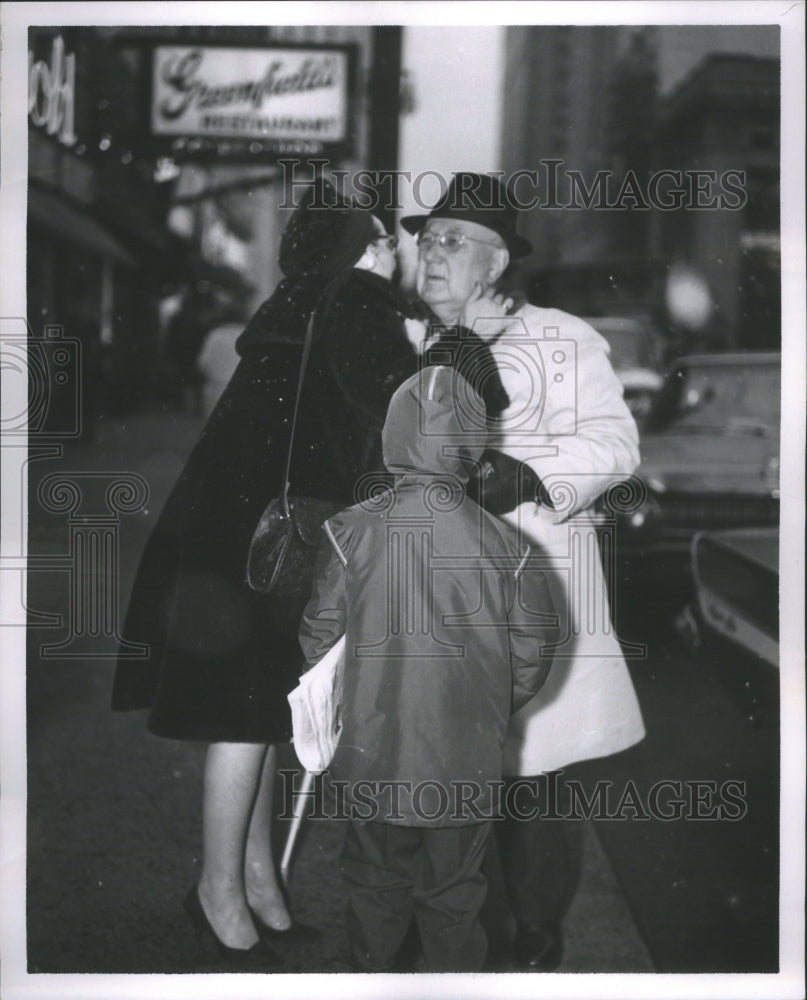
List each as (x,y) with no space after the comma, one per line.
(259,955)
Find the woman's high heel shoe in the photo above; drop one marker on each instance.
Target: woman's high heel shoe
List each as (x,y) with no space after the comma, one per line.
(260,955)
(295,934)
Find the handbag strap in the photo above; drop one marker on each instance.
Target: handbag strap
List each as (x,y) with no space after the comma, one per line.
(309,336)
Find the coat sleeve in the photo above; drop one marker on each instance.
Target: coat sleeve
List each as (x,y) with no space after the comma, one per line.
(463,350)
(370,352)
(533,627)
(572,425)
(323,621)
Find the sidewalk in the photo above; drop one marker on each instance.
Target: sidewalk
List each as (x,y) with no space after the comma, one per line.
(114,813)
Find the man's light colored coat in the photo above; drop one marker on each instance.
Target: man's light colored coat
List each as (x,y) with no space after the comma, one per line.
(568,421)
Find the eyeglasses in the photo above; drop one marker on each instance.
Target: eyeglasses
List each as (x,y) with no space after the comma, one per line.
(391,241)
(450,242)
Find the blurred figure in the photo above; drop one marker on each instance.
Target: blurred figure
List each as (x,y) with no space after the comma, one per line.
(218,357)
(184,337)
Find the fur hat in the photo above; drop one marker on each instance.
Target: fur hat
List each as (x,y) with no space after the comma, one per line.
(325,234)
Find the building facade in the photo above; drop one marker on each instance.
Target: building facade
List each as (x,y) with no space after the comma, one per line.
(98,252)
(656,151)
(720,127)
(124,225)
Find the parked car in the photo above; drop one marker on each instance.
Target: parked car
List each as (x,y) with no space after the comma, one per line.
(732,622)
(736,576)
(635,356)
(710,458)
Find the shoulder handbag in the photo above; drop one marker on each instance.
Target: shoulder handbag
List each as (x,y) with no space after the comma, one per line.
(283,551)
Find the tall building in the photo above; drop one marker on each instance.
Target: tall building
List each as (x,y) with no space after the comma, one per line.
(682,47)
(721,124)
(556,107)
(612,106)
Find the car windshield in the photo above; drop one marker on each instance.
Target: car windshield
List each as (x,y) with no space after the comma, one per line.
(719,397)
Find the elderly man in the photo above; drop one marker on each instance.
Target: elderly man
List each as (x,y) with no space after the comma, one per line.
(567,421)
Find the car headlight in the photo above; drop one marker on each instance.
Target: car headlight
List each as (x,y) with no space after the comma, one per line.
(643,523)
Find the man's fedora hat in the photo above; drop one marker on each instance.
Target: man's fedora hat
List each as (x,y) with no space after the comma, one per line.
(478,198)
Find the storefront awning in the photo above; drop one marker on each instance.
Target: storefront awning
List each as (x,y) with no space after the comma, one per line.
(71,224)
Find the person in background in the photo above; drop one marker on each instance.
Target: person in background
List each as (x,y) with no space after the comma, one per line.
(568,424)
(218,357)
(443,616)
(186,333)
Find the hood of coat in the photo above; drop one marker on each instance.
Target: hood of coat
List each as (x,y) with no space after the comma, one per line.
(436,425)
(325,235)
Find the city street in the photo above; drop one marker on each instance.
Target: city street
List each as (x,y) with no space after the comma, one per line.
(114,813)
(599,257)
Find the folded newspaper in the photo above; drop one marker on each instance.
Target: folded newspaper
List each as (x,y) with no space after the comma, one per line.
(316,710)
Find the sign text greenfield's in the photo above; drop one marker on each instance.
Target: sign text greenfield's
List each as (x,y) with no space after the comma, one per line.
(262,94)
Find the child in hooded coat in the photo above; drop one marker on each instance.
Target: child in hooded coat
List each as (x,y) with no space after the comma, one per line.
(446,620)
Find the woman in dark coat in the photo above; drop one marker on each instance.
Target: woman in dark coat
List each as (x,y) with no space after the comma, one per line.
(222,658)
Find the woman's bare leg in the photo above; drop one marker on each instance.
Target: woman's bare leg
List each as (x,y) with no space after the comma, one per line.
(232,774)
(263,892)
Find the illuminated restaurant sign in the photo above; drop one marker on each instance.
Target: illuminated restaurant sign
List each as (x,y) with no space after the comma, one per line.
(276,97)
(51,92)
